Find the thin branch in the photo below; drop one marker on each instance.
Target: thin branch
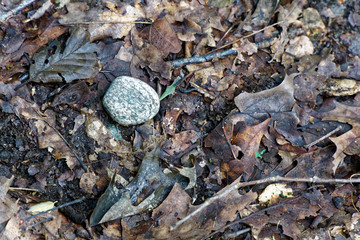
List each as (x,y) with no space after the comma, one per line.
(54,208)
(237,184)
(238,233)
(14,11)
(25,189)
(203,58)
(104,22)
(323,137)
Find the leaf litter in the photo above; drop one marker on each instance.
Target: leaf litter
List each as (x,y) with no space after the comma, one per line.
(272,88)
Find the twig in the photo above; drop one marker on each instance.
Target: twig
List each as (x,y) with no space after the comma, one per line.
(323,137)
(104,22)
(251,215)
(42,221)
(238,233)
(25,189)
(11,12)
(237,184)
(54,208)
(203,58)
(247,36)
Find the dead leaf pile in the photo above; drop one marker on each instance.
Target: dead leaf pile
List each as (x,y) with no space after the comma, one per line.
(258,133)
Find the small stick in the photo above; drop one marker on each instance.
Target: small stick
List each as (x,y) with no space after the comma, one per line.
(25,189)
(54,208)
(203,58)
(42,221)
(238,233)
(323,137)
(237,184)
(22,5)
(104,22)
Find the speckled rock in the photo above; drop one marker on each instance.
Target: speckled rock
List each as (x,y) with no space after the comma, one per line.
(130,101)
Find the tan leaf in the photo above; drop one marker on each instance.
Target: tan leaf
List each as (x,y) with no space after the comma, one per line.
(163,37)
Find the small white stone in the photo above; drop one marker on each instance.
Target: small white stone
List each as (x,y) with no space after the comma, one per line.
(130,101)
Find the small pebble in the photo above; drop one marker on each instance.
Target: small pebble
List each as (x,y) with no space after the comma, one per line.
(130,101)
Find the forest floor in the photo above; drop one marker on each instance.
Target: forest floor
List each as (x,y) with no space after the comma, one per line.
(257,137)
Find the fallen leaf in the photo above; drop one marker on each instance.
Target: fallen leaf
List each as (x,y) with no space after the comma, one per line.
(181,141)
(51,32)
(144,193)
(88,181)
(163,37)
(273,192)
(48,137)
(289,213)
(115,22)
(76,61)
(349,142)
(317,163)
(170,119)
(213,217)
(42,207)
(300,46)
(238,135)
(96,130)
(306,86)
(8,210)
(76,95)
(277,99)
(340,87)
(148,55)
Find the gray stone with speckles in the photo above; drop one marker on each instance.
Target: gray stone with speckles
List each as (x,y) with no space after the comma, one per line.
(130,101)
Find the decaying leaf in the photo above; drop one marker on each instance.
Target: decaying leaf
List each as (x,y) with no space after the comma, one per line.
(76,95)
(274,191)
(169,122)
(239,135)
(110,21)
(8,208)
(181,141)
(48,137)
(145,192)
(100,133)
(213,217)
(41,207)
(163,37)
(76,61)
(148,55)
(277,99)
(340,87)
(88,181)
(349,142)
(289,213)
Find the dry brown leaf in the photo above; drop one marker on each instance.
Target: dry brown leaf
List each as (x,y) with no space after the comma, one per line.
(277,99)
(169,121)
(163,37)
(214,216)
(76,95)
(119,22)
(88,181)
(340,87)
(348,143)
(181,141)
(289,213)
(149,56)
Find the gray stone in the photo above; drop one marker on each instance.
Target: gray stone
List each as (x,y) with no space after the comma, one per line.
(130,101)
